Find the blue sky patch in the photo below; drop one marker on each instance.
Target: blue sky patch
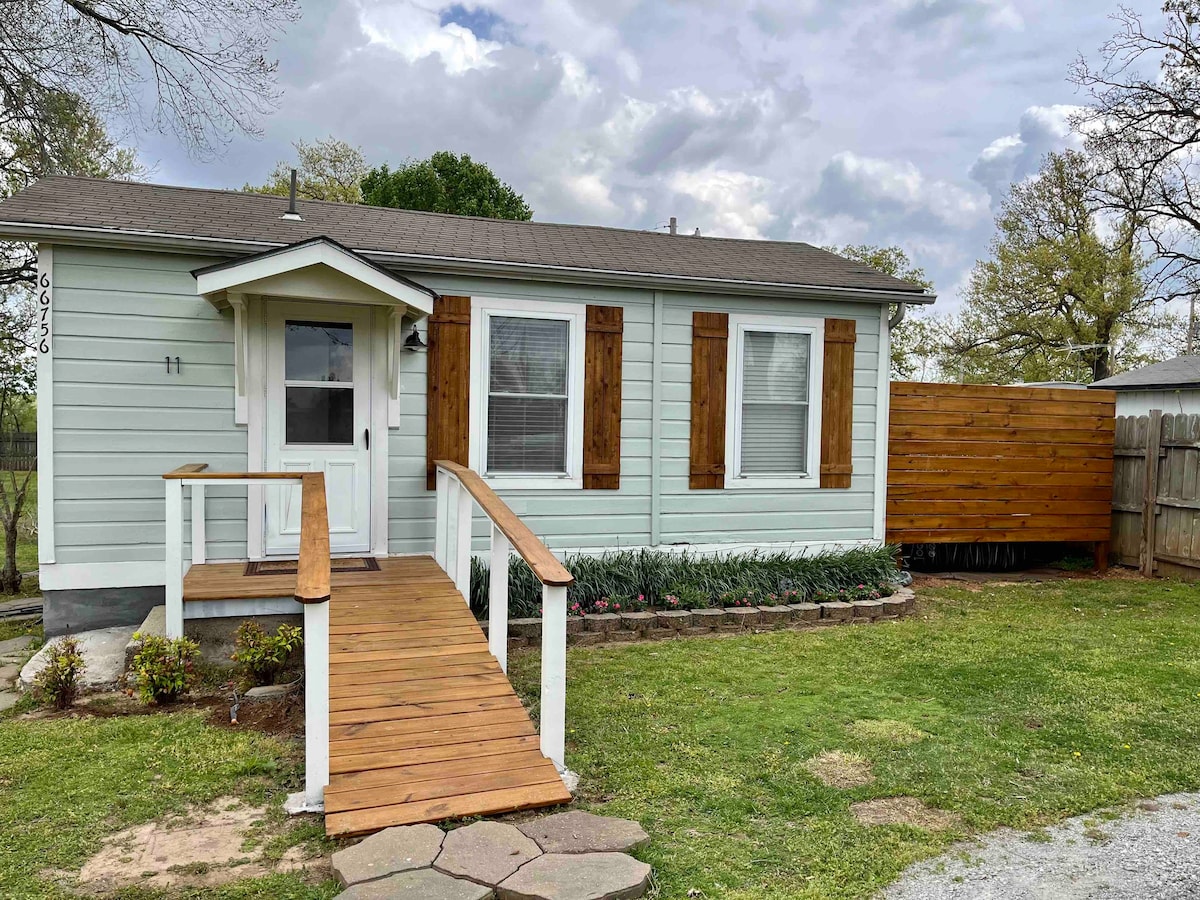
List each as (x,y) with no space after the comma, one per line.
(483,23)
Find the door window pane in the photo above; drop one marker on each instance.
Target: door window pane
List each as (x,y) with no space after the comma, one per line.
(774,403)
(319,415)
(527,394)
(319,351)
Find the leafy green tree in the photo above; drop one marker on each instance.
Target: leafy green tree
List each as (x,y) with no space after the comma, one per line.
(325,170)
(1063,295)
(445,183)
(916,341)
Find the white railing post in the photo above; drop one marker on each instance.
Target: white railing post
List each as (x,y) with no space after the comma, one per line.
(462,545)
(441,522)
(453,489)
(498,599)
(198,537)
(554,674)
(174,557)
(316,703)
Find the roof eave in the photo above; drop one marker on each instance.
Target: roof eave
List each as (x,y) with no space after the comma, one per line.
(1150,386)
(34,232)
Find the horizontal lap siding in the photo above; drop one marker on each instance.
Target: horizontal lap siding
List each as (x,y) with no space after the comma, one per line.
(121,420)
(980,463)
(562,519)
(745,515)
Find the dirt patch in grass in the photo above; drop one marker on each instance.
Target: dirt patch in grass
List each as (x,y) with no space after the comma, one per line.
(839,769)
(904,811)
(217,844)
(889,730)
(282,718)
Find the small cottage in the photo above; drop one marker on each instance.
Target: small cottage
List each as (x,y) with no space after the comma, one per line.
(616,388)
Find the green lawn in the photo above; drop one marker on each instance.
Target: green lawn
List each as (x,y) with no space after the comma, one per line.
(65,784)
(1036,701)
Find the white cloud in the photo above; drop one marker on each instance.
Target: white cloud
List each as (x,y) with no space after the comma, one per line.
(895,190)
(1014,157)
(415,33)
(734,204)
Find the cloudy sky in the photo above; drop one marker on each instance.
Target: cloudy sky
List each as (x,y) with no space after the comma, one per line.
(827,121)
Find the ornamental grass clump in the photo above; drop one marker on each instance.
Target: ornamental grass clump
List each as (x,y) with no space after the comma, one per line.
(58,683)
(656,574)
(163,668)
(262,656)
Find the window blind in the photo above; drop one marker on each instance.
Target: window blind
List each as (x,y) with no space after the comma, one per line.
(527,394)
(774,403)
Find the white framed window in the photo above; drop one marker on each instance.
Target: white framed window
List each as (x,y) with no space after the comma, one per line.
(773,402)
(527,392)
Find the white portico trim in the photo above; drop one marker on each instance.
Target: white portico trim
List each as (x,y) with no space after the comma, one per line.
(319,269)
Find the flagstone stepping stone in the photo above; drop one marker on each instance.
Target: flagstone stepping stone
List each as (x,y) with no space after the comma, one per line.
(486,852)
(389,851)
(423,884)
(577,876)
(582,832)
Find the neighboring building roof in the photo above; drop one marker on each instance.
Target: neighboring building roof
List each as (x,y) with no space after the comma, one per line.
(1173,374)
(230,221)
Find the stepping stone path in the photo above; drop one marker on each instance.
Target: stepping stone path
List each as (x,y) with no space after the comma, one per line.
(565,856)
(13,653)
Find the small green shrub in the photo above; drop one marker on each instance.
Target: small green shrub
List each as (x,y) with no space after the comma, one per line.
(687,597)
(262,656)
(163,668)
(58,682)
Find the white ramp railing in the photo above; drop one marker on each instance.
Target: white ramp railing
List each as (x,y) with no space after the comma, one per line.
(459,490)
(312,590)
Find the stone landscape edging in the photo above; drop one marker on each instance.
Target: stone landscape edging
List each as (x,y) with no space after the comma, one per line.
(657,625)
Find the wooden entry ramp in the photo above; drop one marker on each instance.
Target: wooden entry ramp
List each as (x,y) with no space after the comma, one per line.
(423,723)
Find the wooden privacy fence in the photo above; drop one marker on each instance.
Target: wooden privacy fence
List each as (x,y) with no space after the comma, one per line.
(1156,494)
(978,463)
(18,451)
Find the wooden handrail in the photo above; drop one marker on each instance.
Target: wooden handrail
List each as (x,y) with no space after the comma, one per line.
(187,470)
(312,570)
(537,556)
(195,472)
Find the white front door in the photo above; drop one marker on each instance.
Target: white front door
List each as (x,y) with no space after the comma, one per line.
(318,418)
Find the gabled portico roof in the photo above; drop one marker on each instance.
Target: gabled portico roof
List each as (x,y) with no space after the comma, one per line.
(316,269)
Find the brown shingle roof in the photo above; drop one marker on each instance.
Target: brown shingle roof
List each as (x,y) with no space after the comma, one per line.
(233,216)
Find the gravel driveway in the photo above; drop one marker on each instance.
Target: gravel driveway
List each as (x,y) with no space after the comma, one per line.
(1151,852)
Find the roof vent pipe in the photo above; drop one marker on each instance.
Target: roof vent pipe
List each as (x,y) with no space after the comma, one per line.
(674,226)
(292,213)
(696,233)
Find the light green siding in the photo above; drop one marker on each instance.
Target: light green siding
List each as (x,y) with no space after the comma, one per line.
(121,421)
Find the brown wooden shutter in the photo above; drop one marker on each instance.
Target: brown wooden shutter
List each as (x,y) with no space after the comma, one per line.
(710,348)
(448,388)
(837,403)
(602,398)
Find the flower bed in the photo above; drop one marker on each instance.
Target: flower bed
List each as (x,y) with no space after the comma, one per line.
(637,580)
(664,624)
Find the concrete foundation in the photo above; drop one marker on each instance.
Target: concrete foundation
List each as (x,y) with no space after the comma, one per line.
(73,611)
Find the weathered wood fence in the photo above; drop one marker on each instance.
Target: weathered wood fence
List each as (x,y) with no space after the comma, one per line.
(18,451)
(979,463)
(1156,494)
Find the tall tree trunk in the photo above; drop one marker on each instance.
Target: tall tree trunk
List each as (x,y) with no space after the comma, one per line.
(10,575)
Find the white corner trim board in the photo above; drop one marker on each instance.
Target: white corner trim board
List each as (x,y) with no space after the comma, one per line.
(45,406)
(883,406)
